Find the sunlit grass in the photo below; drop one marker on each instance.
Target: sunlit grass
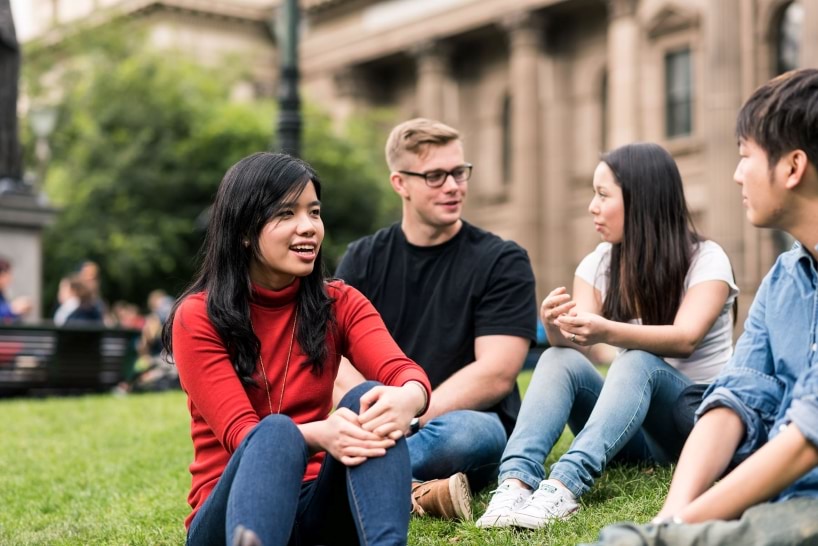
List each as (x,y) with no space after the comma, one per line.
(113,470)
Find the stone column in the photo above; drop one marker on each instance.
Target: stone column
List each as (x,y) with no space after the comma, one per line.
(623,73)
(556,210)
(22,219)
(432,72)
(809,34)
(721,95)
(754,268)
(527,181)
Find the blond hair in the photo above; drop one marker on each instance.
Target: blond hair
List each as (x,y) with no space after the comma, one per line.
(415,136)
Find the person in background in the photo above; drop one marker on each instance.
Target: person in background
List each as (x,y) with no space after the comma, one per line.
(79,305)
(11,311)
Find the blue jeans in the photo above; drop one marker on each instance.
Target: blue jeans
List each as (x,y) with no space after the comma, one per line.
(262,489)
(458,441)
(629,416)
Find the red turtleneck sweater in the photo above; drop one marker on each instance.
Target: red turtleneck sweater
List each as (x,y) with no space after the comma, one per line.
(223,411)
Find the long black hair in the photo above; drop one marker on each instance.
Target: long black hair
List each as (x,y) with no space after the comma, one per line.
(250,194)
(649,266)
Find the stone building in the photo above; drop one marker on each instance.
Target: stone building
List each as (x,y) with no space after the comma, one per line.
(538,87)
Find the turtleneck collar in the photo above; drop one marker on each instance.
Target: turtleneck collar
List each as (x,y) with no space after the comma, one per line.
(275,298)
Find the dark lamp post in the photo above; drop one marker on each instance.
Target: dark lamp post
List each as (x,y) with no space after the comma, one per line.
(289,103)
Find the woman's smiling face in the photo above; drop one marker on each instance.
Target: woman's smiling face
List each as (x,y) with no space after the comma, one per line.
(289,242)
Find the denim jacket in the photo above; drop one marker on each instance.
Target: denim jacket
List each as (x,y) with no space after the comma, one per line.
(772,379)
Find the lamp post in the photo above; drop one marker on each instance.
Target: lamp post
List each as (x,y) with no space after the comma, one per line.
(43,119)
(289,103)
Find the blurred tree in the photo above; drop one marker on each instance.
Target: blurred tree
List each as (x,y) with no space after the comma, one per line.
(143,141)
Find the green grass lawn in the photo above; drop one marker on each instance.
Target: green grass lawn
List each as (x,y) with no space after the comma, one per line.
(108,470)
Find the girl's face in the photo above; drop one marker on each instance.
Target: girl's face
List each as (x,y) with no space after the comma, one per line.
(289,242)
(607,207)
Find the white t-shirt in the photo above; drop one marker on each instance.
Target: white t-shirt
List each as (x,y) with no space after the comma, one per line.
(710,263)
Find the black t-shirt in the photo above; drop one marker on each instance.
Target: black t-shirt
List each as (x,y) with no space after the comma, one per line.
(436,300)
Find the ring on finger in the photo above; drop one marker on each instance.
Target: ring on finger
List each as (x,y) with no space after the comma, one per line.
(573,338)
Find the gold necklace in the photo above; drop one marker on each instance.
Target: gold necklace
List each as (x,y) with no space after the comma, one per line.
(286,369)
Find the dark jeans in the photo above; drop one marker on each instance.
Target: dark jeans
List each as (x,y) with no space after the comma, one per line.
(262,489)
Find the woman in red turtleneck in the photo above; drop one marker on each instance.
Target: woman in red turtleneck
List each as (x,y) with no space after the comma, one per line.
(257,339)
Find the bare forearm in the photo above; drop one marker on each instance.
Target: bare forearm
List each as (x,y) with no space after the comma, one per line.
(469,388)
(705,456)
(669,340)
(765,474)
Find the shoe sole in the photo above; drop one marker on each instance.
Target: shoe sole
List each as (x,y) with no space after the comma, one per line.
(498,522)
(540,523)
(461,496)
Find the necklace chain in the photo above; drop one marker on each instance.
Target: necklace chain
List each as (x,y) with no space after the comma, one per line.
(286,369)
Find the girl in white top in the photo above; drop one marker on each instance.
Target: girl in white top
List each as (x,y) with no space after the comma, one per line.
(655,301)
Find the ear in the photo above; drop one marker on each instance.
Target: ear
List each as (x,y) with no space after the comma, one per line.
(398,184)
(796,164)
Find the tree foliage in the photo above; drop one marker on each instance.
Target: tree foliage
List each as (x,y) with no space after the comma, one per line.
(143,140)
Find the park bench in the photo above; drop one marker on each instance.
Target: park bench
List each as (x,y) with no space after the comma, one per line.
(64,359)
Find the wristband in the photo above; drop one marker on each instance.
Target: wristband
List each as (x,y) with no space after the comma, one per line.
(414,426)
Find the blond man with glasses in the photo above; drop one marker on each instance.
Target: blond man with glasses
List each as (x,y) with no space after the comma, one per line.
(460,302)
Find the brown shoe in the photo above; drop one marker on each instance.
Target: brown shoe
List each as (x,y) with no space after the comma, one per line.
(447,499)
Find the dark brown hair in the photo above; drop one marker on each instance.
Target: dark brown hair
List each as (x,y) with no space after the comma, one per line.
(648,268)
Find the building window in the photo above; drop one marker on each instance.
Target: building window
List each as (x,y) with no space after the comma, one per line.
(789,38)
(678,93)
(505,122)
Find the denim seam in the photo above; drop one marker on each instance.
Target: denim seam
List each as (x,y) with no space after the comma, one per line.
(358,513)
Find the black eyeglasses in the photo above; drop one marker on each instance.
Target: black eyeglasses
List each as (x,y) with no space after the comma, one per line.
(436,178)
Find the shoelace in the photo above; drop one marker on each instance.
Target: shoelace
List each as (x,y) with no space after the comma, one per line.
(505,499)
(417,493)
(548,498)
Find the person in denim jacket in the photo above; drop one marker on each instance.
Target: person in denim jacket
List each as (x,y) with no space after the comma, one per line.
(761,414)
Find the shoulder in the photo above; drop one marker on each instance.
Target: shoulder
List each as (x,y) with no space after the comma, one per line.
(366,245)
(488,244)
(191,309)
(343,294)
(709,249)
(599,256)
(787,262)
(709,255)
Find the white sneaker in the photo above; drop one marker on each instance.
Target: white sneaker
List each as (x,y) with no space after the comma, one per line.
(504,501)
(549,502)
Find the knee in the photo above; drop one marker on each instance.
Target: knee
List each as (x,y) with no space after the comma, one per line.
(277,428)
(352,399)
(634,363)
(561,357)
(562,362)
(468,431)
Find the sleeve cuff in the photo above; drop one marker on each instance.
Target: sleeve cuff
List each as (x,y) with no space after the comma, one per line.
(754,432)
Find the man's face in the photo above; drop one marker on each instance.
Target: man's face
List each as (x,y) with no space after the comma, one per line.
(762,188)
(435,207)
